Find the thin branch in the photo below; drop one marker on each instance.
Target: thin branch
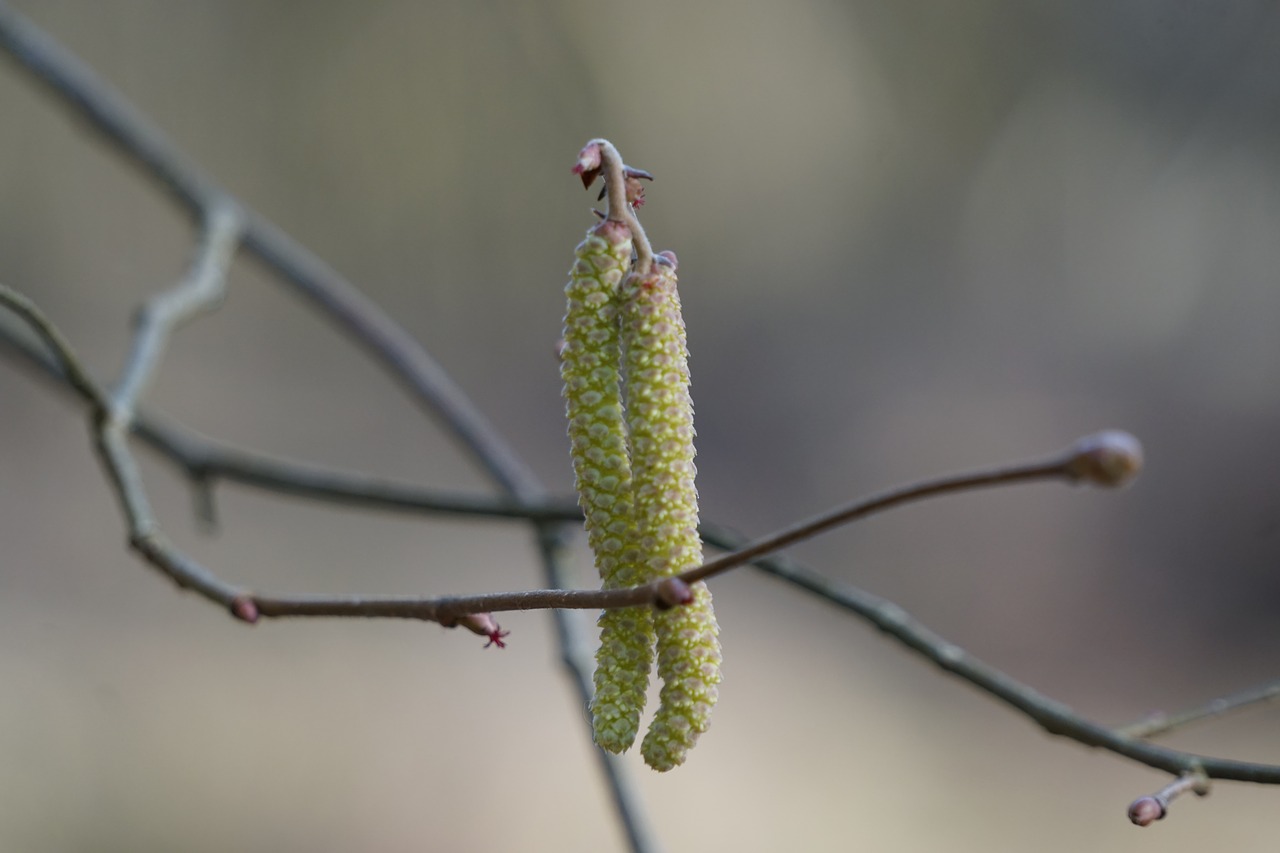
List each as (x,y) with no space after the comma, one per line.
(447,609)
(201,290)
(1163,723)
(620,209)
(1145,811)
(1052,716)
(1070,465)
(207,461)
(60,359)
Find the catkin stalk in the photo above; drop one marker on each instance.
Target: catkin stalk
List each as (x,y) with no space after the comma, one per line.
(602,472)
(660,418)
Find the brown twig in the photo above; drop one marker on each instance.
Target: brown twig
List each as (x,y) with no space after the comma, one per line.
(447,609)
(1088,455)
(1145,811)
(599,155)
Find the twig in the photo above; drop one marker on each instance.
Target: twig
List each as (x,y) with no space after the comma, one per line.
(121,468)
(201,290)
(1053,716)
(207,461)
(447,609)
(1163,723)
(600,155)
(61,359)
(1145,811)
(1121,451)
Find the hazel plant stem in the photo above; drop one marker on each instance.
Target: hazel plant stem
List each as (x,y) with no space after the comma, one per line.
(619,209)
(1067,465)
(1073,465)
(1052,716)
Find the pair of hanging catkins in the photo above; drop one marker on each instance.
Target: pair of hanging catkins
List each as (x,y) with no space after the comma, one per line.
(626,386)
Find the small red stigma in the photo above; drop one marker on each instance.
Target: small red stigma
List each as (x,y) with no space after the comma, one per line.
(495,637)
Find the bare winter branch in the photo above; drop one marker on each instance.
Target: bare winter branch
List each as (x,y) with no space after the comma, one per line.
(1051,715)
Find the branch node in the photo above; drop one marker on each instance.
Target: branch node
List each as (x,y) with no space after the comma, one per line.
(671,592)
(244,608)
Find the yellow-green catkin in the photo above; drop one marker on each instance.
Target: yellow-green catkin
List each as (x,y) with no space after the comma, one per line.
(660,418)
(602,472)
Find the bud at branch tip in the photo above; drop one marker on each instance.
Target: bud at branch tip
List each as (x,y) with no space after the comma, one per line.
(1145,811)
(1109,458)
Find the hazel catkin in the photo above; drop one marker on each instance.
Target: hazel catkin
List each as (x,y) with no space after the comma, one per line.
(660,420)
(602,472)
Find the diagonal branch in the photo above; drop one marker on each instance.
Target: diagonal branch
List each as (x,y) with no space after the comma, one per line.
(1051,715)
(1163,723)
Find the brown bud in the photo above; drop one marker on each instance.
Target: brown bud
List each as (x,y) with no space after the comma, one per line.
(1145,811)
(1109,458)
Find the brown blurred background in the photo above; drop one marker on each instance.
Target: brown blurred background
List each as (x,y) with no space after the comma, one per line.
(914,237)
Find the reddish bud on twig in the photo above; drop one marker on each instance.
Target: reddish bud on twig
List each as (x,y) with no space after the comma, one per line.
(244,608)
(672,592)
(1145,811)
(1109,458)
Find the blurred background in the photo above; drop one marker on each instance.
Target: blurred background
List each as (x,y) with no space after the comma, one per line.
(914,238)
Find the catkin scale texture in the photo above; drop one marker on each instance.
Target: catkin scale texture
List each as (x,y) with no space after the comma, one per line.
(660,421)
(590,363)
